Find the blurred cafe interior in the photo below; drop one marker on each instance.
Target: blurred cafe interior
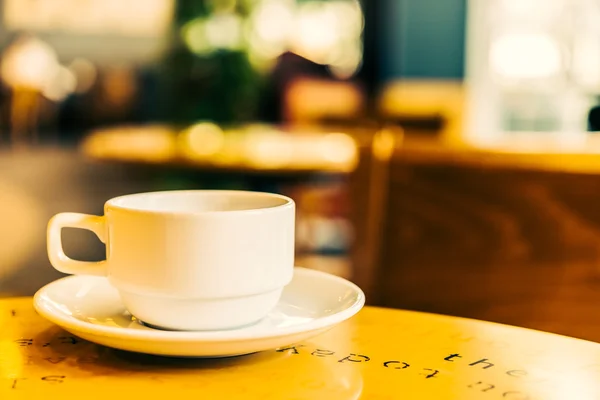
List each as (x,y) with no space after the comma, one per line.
(443,155)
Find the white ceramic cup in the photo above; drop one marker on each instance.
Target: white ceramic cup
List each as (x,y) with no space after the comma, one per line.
(189,260)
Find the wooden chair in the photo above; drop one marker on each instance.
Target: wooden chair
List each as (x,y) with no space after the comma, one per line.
(369,191)
(479,239)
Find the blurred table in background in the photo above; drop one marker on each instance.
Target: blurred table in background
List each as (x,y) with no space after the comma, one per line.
(251,149)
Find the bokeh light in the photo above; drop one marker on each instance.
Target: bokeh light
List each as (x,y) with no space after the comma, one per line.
(525,56)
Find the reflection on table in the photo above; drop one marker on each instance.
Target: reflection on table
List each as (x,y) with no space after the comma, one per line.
(380,353)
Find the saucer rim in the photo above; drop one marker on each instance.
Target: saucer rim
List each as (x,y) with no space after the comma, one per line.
(69,322)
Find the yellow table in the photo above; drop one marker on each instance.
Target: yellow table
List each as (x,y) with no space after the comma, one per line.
(379,354)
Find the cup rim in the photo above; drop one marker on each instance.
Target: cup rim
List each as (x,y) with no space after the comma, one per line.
(288,203)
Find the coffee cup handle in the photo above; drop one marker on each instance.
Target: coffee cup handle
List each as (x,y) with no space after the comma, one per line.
(56,254)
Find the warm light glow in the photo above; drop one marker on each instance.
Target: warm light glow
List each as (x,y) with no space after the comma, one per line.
(141,18)
(344,61)
(316,31)
(327,33)
(150,144)
(85,72)
(251,147)
(327,97)
(269,28)
(273,21)
(338,148)
(29,64)
(525,56)
(268,150)
(203,139)
(350,17)
(384,144)
(61,85)
(224,31)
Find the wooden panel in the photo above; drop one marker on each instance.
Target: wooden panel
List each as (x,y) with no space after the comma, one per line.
(512,246)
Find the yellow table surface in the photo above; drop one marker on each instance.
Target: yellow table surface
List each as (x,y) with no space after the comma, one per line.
(378,354)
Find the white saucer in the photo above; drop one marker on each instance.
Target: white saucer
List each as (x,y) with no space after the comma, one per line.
(91,308)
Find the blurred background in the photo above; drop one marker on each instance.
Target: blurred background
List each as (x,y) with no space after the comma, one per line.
(443,155)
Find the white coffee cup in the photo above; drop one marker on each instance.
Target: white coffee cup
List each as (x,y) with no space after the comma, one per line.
(189,260)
